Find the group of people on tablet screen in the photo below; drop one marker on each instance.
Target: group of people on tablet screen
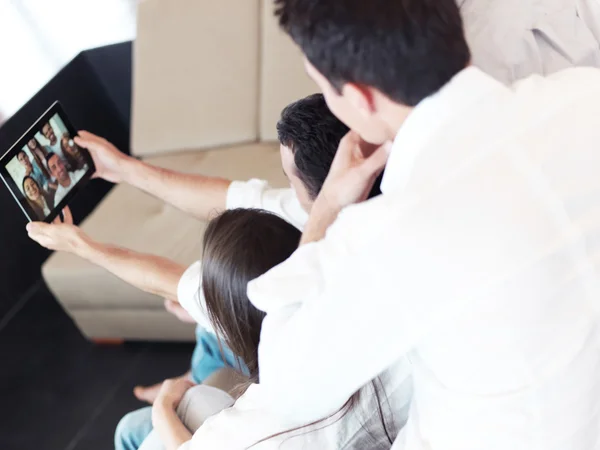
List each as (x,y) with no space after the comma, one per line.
(51,170)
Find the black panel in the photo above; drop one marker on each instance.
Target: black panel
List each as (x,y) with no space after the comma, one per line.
(92,103)
(61,392)
(113,68)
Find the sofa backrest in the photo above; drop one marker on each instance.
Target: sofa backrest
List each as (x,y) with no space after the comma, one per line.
(195,74)
(210,73)
(282,76)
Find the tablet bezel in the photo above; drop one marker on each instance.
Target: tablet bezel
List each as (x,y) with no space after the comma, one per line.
(15,191)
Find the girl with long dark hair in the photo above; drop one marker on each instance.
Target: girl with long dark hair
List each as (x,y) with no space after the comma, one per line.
(239,246)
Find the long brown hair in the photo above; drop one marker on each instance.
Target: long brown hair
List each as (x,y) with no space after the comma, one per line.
(39,210)
(240,245)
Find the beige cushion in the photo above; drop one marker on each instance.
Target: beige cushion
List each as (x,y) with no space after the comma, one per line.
(132,219)
(195,81)
(283,79)
(131,324)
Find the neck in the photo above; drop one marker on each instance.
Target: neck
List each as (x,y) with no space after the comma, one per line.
(65,183)
(394,115)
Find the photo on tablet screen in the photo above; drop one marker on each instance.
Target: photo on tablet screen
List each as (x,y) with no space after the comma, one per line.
(45,166)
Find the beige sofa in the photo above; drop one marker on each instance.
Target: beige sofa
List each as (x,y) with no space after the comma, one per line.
(210,79)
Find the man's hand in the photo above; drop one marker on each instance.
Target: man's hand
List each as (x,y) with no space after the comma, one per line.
(356,166)
(58,236)
(109,161)
(178,311)
(172,391)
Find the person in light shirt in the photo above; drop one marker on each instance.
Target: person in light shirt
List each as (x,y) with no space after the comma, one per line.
(479,262)
(53,141)
(39,154)
(32,170)
(66,179)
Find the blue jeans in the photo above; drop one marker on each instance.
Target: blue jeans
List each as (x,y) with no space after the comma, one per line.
(207,359)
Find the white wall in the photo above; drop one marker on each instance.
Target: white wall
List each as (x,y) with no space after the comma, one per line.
(38,37)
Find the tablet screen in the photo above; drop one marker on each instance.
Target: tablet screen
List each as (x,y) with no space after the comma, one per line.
(45,166)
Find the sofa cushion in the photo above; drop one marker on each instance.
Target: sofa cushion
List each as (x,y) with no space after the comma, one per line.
(130,218)
(283,79)
(195,74)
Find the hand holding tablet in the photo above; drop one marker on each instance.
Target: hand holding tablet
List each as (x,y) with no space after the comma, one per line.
(45,168)
(60,235)
(108,159)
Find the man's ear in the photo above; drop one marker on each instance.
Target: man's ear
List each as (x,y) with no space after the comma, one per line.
(360,97)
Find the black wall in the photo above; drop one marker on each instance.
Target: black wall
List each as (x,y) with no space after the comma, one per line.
(95,91)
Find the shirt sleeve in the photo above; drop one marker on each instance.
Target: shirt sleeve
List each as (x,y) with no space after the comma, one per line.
(250,422)
(257,194)
(241,194)
(247,424)
(342,310)
(191,296)
(186,446)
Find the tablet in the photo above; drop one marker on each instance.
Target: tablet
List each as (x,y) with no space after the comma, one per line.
(45,168)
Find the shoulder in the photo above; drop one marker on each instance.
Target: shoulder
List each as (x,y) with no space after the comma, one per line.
(577,82)
(259,194)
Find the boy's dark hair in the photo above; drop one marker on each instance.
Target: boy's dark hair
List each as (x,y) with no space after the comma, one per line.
(49,157)
(407,49)
(311,131)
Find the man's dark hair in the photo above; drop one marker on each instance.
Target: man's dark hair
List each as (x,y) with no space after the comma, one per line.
(311,131)
(407,49)
(49,157)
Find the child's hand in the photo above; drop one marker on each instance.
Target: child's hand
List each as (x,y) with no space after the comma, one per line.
(172,392)
(178,311)
(64,237)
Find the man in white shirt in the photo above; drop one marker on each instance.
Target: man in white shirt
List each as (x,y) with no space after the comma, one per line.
(479,261)
(65,179)
(53,142)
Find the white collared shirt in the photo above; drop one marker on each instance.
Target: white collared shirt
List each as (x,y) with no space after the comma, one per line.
(241,194)
(61,191)
(480,262)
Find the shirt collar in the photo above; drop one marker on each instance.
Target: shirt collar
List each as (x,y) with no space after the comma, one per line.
(467,87)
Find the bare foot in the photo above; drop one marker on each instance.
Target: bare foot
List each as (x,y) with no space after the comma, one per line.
(149,393)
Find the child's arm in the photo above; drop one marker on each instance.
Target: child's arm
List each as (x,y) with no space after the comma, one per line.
(149,273)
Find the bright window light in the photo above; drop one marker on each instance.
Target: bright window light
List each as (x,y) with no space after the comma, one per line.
(38,37)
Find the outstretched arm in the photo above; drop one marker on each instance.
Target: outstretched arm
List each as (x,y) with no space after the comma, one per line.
(153,274)
(194,194)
